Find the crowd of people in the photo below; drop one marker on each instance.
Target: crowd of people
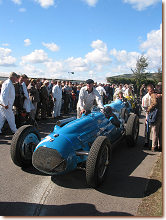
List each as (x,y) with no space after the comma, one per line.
(41,98)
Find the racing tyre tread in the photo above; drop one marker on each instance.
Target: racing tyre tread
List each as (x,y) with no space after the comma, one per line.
(132,127)
(92,177)
(16,143)
(138,110)
(124,114)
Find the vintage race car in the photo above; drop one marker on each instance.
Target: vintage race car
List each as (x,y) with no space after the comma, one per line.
(86,142)
(121,107)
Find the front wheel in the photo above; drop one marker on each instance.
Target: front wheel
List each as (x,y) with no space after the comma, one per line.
(23,144)
(98,161)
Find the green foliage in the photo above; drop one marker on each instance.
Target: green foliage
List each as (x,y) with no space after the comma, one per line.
(139,72)
(159,75)
(139,76)
(119,80)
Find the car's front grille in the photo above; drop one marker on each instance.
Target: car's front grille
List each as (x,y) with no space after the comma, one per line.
(48,160)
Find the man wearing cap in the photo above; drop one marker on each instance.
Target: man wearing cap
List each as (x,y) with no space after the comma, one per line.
(7,97)
(86,99)
(57,97)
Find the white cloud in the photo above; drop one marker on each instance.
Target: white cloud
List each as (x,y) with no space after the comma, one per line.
(51,46)
(45,3)
(76,64)
(37,56)
(123,61)
(154,39)
(57,70)
(98,63)
(91,2)
(22,10)
(32,70)
(18,2)
(92,63)
(152,47)
(27,42)
(5,58)
(100,53)
(122,56)
(54,67)
(141,4)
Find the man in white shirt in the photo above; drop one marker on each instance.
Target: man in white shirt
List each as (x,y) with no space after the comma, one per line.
(128,91)
(101,91)
(28,106)
(57,96)
(146,101)
(7,97)
(86,99)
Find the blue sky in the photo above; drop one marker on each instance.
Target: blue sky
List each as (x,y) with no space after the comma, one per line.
(92,38)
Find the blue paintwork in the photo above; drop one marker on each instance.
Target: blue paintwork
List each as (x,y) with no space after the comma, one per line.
(79,135)
(118,104)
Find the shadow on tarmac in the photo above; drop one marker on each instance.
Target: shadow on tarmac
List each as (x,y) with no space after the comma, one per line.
(119,181)
(34,171)
(33,209)
(5,139)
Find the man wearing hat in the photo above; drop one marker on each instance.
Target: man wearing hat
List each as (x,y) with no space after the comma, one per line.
(7,97)
(86,98)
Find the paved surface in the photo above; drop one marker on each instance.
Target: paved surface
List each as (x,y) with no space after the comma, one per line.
(30,193)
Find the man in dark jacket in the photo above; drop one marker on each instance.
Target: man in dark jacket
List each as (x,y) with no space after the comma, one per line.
(44,99)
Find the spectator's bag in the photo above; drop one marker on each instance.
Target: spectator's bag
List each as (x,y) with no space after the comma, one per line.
(152,116)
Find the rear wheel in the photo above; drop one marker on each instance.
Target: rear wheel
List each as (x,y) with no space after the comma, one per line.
(124,114)
(23,144)
(138,110)
(98,161)
(132,130)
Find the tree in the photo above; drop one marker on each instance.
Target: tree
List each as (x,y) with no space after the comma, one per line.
(119,80)
(159,74)
(139,72)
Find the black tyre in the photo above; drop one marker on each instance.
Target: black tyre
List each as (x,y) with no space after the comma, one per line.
(132,130)
(23,144)
(138,110)
(98,161)
(124,114)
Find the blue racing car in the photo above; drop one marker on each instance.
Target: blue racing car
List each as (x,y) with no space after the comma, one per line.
(86,142)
